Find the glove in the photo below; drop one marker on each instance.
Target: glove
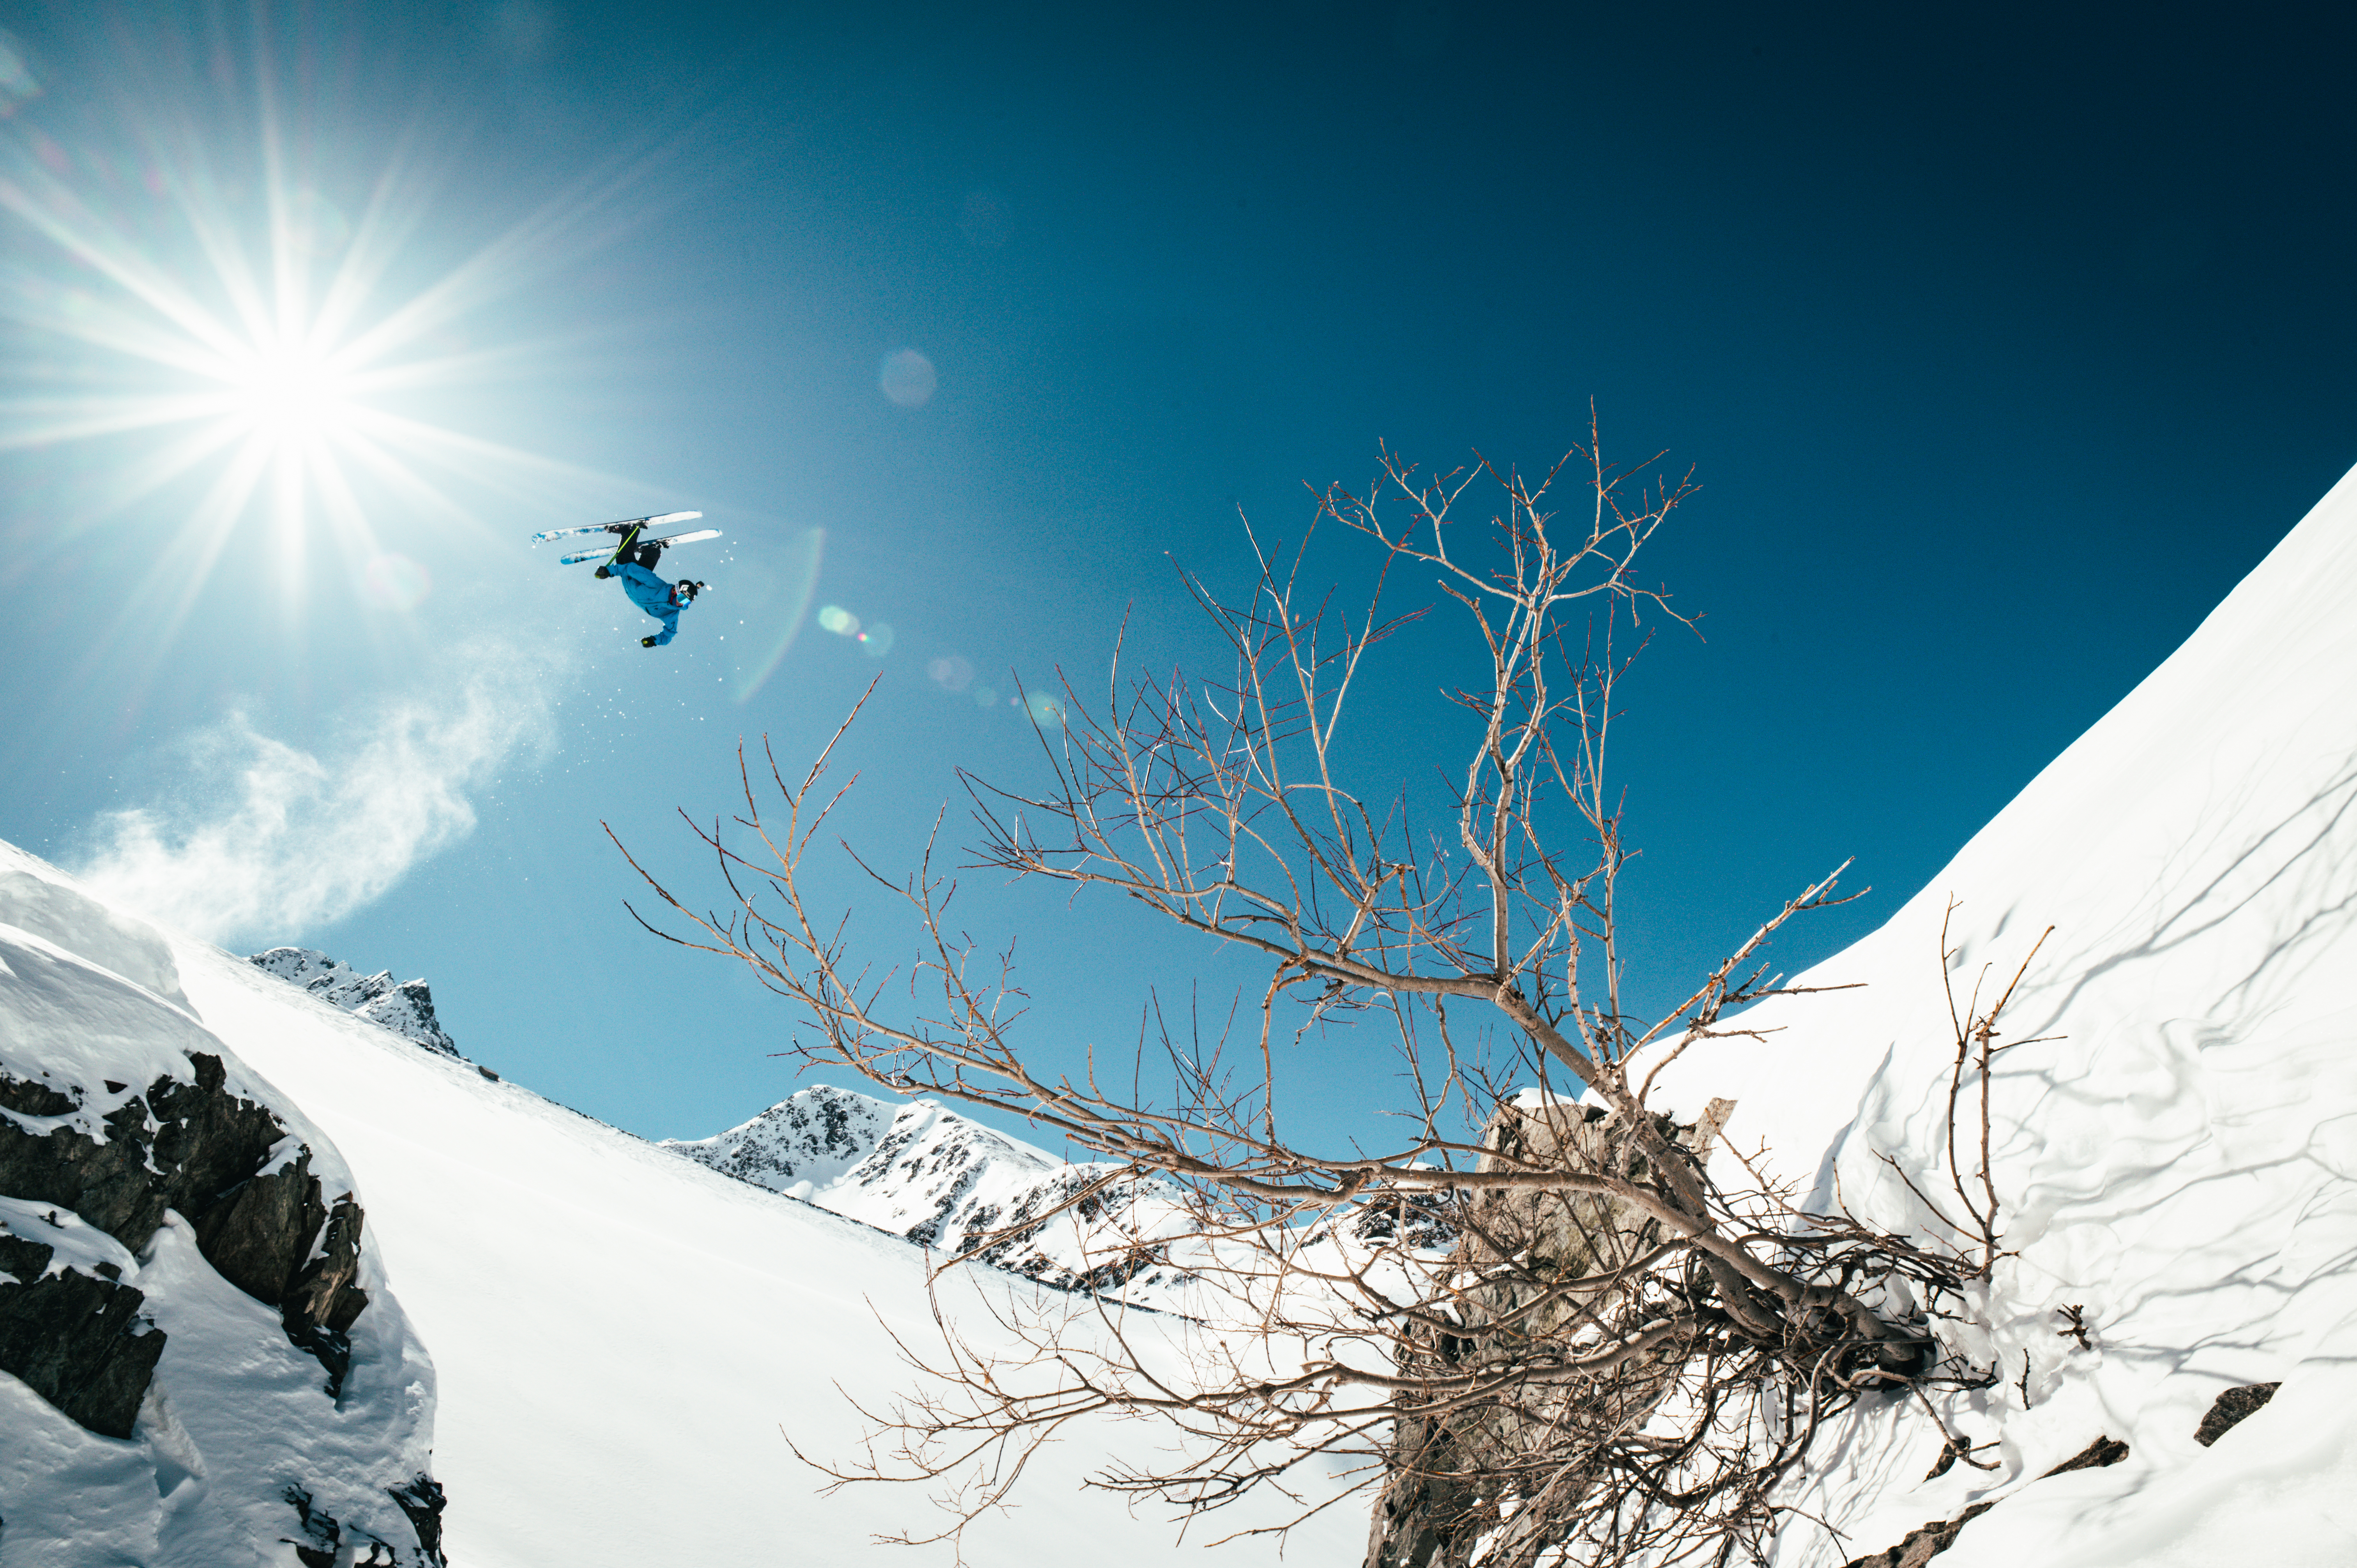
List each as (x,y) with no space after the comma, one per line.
(603,572)
(645,642)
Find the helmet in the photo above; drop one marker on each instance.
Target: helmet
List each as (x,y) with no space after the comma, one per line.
(687,590)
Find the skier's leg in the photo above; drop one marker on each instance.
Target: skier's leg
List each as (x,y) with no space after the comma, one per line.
(622,553)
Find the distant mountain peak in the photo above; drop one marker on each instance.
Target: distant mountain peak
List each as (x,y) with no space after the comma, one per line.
(951,1185)
(404,1006)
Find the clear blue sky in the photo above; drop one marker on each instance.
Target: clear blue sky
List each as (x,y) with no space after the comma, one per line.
(2002,346)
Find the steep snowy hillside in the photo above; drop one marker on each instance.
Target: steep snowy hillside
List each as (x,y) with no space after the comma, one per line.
(2176,1132)
(952,1186)
(625,1340)
(201,1362)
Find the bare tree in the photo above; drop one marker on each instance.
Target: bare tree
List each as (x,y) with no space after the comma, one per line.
(1537,1321)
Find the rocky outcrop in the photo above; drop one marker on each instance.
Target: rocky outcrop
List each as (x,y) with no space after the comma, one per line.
(1920,1546)
(227,1164)
(74,1336)
(2231,1409)
(404,1006)
(797,1146)
(181,1255)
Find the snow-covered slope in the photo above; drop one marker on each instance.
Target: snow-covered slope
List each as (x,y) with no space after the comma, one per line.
(952,1186)
(625,1339)
(2181,1161)
(209,1369)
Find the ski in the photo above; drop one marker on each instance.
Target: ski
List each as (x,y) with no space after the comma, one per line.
(614,527)
(666,539)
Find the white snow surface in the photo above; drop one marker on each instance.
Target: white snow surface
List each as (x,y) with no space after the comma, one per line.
(2182,1160)
(54,909)
(235,1413)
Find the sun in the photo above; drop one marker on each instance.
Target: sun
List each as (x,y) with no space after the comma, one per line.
(263,327)
(289,392)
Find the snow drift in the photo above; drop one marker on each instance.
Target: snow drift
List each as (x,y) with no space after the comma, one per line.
(2175,1132)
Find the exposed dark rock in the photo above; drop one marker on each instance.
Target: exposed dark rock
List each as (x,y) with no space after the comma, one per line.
(179,1146)
(75,1339)
(2231,1409)
(323,1543)
(258,1232)
(28,1098)
(322,1536)
(202,1151)
(1921,1545)
(423,1501)
(2103,1451)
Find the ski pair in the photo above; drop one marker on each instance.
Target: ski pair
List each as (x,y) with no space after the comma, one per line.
(620,525)
(633,544)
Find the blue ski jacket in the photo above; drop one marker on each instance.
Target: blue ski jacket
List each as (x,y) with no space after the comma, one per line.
(653,595)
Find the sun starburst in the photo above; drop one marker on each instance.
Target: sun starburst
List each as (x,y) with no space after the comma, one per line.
(196,299)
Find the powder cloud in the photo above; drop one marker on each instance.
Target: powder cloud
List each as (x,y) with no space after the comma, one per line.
(264,839)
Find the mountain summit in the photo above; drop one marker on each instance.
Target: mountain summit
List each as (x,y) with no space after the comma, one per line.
(952,1186)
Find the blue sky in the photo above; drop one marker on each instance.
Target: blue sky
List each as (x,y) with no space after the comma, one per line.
(2001,347)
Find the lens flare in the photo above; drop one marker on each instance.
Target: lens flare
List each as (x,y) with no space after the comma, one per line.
(395,583)
(875,640)
(839,620)
(907,379)
(1047,712)
(953,674)
(787,605)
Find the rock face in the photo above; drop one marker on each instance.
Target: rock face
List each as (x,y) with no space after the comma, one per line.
(226,1163)
(405,1006)
(952,1186)
(70,1329)
(182,1258)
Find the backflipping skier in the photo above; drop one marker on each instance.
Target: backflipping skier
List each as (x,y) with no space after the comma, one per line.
(634,564)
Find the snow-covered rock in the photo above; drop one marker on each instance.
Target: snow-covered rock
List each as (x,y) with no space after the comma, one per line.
(404,1006)
(955,1187)
(202,1361)
(2175,1121)
(797,1146)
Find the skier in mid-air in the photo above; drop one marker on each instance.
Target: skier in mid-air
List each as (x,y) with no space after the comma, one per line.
(634,564)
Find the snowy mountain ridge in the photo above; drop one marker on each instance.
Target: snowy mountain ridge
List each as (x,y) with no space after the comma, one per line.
(955,1186)
(404,1006)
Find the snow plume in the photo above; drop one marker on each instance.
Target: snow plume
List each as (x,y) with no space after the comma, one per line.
(268,839)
